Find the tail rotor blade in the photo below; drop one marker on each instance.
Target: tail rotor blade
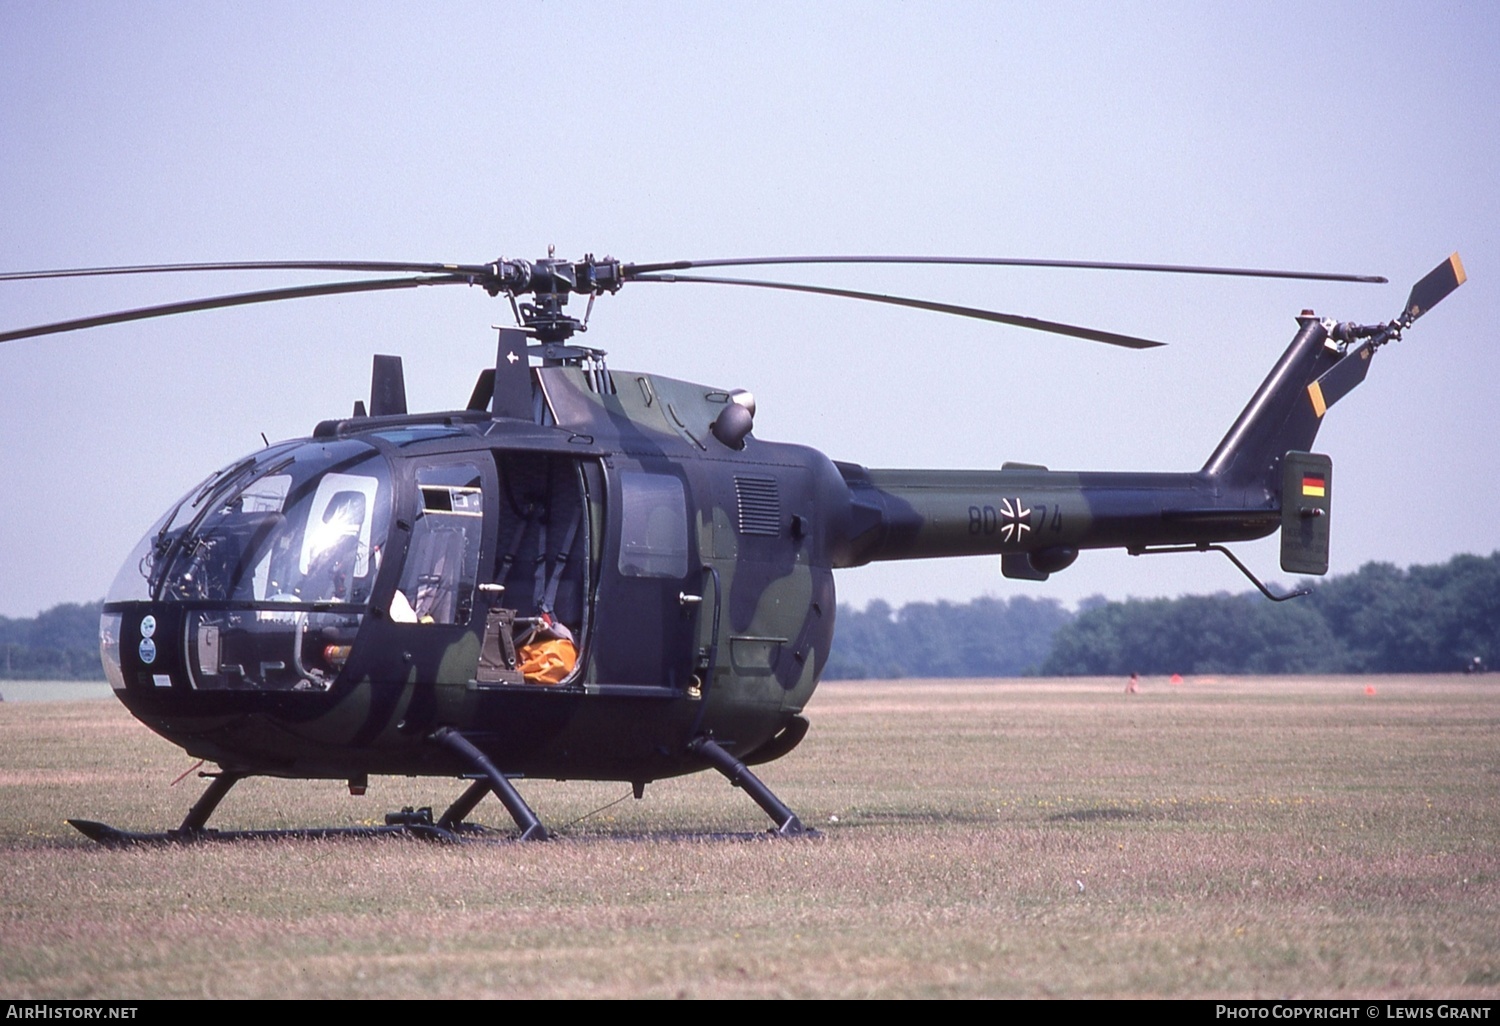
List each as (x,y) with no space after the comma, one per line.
(1434,288)
(1346,375)
(1340,379)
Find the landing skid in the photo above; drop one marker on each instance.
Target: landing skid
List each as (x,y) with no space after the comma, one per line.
(739,775)
(490,779)
(450,826)
(113,837)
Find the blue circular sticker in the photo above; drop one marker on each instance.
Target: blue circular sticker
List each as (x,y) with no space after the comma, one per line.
(148,627)
(148,650)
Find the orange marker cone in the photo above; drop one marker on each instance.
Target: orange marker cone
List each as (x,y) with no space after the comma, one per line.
(1369,689)
(1176,678)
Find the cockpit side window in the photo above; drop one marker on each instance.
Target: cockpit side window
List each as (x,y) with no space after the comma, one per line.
(336,544)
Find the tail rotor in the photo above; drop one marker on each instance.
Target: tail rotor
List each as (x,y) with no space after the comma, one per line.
(1344,376)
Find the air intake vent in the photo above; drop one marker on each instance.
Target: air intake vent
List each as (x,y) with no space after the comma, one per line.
(760,506)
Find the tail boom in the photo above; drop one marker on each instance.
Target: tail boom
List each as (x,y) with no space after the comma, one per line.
(1038,520)
(1047,516)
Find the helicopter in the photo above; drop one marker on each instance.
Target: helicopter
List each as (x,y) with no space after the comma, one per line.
(587,573)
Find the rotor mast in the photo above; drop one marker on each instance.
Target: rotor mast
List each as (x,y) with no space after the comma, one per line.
(550,282)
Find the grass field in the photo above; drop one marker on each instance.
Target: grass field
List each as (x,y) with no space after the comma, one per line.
(1239,837)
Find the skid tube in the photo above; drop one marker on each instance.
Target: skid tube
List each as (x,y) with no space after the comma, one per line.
(411,823)
(491,779)
(739,775)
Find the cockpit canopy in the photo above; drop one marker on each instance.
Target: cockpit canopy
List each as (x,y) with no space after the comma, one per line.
(302,522)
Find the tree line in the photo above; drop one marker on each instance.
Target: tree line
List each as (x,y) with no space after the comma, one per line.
(1379,619)
(61,643)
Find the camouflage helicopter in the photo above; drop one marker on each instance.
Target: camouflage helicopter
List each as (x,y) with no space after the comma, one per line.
(595,574)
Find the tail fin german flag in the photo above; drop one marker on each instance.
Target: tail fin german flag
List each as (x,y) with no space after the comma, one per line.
(1306,494)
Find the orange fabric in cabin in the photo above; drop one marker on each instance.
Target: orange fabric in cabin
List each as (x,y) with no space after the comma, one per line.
(548,661)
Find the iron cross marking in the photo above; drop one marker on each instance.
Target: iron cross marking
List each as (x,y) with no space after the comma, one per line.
(1015,521)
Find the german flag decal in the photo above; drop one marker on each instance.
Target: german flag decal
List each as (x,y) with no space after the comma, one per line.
(1313,486)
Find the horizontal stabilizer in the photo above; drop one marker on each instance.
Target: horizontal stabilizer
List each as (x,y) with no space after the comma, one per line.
(1340,379)
(1434,288)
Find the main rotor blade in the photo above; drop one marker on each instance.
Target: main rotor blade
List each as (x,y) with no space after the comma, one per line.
(1036,324)
(237,299)
(254,265)
(634,270)
(1435,287)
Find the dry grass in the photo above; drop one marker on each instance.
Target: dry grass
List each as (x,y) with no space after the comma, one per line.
(1033,838)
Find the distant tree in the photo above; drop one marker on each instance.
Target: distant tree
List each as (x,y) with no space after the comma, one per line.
(1470,611)
(1371,611)
(1379,619)
(987,637)
(61,643)
(864,645)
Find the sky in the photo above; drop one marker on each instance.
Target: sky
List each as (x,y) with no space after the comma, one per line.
(1359,137)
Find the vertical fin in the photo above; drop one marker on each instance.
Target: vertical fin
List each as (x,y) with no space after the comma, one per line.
(512,385)
(387,387)
(1278,417)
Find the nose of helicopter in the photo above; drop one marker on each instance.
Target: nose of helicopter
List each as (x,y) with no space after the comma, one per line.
(257,579)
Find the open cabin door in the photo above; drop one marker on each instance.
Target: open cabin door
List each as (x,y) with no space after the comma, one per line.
(538,585)
(500,553)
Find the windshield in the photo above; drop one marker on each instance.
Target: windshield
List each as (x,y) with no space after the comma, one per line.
(299,522)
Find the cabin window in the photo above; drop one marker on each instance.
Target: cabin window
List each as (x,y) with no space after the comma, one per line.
(654,526)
